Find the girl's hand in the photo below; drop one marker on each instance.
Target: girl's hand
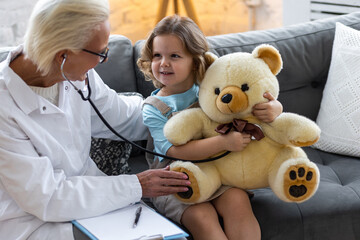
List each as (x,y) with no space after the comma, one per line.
(236,141)
(267,112)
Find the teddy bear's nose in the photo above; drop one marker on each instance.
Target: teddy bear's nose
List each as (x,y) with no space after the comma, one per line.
(226,98)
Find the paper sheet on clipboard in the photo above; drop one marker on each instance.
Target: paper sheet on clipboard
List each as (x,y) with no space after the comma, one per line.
(119,225)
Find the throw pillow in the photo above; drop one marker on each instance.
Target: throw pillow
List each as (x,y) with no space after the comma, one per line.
(111,156)
(339,114)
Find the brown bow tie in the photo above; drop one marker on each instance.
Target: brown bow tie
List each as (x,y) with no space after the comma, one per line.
(241,126)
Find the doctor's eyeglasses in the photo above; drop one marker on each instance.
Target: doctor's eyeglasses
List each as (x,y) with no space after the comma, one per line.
(103,56)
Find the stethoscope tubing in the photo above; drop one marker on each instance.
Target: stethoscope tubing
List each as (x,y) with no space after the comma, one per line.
(142,148)
(87,83)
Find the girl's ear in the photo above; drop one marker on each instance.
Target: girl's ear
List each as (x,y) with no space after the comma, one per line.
(210,58)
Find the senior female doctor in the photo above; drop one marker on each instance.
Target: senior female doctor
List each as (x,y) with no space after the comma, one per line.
(46,175)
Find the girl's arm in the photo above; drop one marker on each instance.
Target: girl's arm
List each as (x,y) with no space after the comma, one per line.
(208,147)
(234,141)
(267,112)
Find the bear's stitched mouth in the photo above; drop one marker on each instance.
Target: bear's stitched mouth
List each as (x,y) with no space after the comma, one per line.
(229,108)
(225,108)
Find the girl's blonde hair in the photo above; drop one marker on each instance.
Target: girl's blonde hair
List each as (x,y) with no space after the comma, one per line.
(189,34)
(57,25)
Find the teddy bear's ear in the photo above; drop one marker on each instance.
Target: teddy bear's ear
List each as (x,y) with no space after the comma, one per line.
(270,55)
(210,58)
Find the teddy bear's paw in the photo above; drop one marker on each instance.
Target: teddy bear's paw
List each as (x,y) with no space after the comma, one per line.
(303,144)
(193,194)
(300,182)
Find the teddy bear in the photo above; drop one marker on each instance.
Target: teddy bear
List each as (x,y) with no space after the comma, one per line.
(232,85)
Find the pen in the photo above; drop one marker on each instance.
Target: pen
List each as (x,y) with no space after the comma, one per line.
(137,216)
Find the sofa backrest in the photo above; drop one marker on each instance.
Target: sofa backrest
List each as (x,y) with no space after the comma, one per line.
(119,71)
(306,52)
(305,49)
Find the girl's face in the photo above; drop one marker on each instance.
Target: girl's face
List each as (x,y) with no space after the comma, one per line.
(172,64)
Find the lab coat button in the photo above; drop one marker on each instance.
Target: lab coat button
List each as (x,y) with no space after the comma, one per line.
(44,108)
(66,88)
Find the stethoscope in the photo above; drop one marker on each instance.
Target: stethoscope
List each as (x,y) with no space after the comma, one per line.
(87,98)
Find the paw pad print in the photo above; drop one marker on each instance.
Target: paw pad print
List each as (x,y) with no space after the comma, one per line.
(300,182)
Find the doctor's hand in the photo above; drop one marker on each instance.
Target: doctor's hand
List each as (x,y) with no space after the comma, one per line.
(160,182)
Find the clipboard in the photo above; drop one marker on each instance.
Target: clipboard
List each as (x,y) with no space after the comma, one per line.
(119,225)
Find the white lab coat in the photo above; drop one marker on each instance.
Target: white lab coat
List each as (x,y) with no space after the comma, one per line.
(46,175)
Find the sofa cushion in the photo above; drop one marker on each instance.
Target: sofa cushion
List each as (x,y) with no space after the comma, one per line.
(111,156)
(339,113)
(144,87)
(332,213)
(121,78)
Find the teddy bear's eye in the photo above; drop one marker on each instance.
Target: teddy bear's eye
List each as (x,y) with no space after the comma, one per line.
(244,87)
(217,91)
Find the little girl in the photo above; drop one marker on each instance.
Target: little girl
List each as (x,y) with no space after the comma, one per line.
(174,59)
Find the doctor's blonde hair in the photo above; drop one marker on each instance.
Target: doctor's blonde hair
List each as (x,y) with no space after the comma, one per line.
(57,25)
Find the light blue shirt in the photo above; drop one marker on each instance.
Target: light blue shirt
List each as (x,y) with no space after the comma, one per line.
(155,121)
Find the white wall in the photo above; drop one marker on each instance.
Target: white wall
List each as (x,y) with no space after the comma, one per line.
(269,14)
(14,15)
(295,11)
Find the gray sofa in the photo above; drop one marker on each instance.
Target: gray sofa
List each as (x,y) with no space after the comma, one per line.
(334,211)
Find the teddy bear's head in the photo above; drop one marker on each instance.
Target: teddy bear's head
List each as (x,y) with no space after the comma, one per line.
(234,83)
